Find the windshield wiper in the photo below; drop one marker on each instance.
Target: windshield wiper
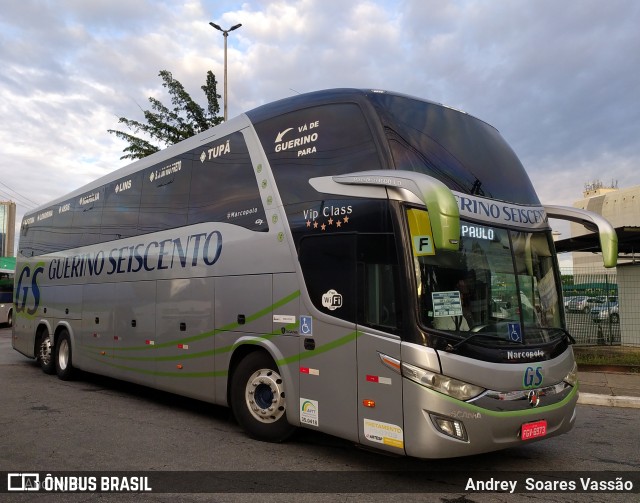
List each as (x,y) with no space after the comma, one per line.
(567,335)
(455,346)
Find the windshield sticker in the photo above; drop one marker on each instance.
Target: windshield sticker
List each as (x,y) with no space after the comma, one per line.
(383,433)
(515,332)
(446,303)
(309,412)
(332,300)
(421,233)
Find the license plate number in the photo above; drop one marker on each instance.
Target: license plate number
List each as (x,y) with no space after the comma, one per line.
(533,430)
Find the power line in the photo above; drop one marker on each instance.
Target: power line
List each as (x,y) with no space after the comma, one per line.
(29,203)
(12,197)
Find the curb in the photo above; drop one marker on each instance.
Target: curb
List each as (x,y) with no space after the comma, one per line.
(632,402)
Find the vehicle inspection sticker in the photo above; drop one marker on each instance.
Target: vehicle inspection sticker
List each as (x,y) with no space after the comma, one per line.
(383,433)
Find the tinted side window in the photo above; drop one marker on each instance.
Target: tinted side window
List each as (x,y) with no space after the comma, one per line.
(317,141)
(329,267)
(378,282)
(35,233)
(25,242)
(224,187)
(121,207)
(165,195)
(63,235)
(87,217)
(354,277)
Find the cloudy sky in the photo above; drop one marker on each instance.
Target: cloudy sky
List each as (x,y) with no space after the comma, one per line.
(559,79)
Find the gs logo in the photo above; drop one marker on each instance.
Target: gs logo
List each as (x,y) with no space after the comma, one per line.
(532,377)
(28,281)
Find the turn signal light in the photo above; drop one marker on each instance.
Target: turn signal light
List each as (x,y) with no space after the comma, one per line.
(369,403)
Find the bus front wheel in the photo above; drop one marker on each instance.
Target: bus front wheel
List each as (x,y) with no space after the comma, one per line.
(258,398)
(64,367)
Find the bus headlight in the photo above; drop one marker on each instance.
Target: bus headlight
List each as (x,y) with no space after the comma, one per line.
(572,377)
(443,384)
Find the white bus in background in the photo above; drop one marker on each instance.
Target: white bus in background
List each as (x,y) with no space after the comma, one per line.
(328,261)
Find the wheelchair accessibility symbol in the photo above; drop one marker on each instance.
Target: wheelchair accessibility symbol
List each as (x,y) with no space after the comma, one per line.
(515,332)
(306,325)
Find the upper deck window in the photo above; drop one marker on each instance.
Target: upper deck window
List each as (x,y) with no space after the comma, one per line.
(463,152)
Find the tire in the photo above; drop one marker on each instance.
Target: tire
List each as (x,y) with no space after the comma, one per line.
(614,318)
(63,356)
(44,353)
(258,398)
(586,310)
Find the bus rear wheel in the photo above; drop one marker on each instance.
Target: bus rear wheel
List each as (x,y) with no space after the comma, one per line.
(44,353)
(63,356)
(258,398)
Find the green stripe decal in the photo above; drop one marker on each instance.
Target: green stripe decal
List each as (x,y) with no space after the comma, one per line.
(205,335)
(158,373)
(320,349)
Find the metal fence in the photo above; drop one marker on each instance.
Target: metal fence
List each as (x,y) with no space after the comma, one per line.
(602,308)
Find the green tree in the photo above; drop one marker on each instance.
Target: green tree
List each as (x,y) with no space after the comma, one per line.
(166,126)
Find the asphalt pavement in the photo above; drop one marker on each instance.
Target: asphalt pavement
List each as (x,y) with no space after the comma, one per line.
(612,389)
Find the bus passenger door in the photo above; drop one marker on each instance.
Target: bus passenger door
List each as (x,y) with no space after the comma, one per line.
(380,317)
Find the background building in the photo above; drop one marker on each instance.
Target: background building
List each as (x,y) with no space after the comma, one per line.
(7,227)
(620,206)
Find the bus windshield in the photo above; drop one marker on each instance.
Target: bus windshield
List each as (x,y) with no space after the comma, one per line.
(501,284)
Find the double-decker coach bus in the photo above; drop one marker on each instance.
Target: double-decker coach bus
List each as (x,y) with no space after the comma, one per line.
(359,262)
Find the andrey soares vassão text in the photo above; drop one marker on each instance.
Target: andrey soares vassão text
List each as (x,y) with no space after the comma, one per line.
(582,484)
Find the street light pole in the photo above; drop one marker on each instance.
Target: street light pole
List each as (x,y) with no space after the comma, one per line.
(226,34)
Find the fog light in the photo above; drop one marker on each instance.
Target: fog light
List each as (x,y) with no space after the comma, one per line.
(449,427)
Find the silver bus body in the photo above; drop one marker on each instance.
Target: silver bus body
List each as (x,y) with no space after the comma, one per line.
(291,263)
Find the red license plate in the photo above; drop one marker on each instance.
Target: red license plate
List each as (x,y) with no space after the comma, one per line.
(533,430)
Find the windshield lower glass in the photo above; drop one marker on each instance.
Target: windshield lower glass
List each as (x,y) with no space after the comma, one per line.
(500,286)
